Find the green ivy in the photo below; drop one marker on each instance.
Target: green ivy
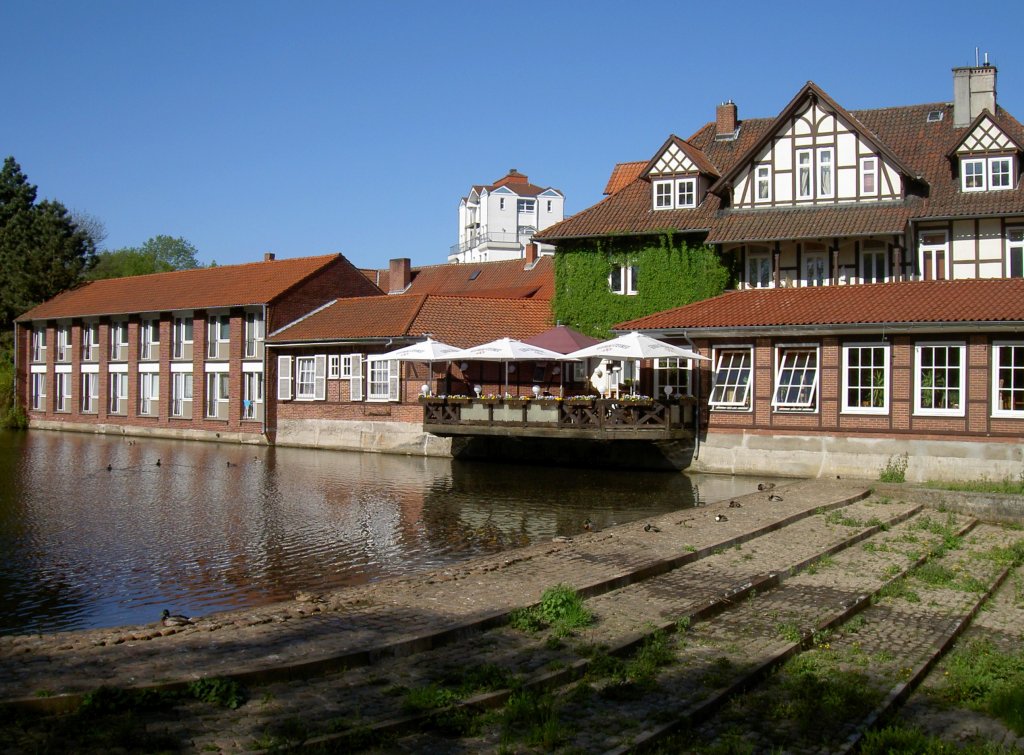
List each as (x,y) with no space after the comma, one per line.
(670,273)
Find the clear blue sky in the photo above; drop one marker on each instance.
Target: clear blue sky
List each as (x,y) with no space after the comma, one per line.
(315,127)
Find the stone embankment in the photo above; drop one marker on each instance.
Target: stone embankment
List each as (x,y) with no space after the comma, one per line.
(700,616)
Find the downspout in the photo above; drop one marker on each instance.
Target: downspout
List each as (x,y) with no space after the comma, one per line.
(15,386)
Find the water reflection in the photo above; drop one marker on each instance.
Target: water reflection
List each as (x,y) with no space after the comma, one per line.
(201,527)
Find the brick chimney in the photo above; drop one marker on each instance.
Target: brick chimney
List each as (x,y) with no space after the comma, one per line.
(268,256)
(531,253)
(974,90)
(400,275)
(725,119)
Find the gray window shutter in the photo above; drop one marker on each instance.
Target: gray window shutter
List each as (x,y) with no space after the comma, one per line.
(284,378)
(320,377)
(356,381)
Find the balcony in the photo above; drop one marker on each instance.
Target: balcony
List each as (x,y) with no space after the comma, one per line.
(491,240)
(606,419)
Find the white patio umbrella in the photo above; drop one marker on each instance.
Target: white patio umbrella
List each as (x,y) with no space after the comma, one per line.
(505,350)
(634,346)
(428,351)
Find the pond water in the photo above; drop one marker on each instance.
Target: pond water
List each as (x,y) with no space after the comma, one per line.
(203,527)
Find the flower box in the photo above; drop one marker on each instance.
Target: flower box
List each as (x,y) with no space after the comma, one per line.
(460,400)
(514,403)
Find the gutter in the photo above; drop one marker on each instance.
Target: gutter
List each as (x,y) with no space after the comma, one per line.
(827,329)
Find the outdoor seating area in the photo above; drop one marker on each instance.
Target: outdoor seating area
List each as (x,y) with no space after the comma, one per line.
(609,411)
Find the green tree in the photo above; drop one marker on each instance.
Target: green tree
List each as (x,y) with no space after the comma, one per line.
(159,254)
(42,249)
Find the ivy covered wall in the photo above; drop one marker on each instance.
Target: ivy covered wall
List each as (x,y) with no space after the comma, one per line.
(670,273)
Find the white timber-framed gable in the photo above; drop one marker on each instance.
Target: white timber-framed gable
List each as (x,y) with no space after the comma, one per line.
(987,158)
(678,177)
(815,153)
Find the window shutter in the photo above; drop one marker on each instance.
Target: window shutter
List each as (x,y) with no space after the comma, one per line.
(320,377)
(284,378)
(394,379)
(356,381)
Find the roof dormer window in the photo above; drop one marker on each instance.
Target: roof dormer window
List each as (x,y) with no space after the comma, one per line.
(675,194)
(986,173)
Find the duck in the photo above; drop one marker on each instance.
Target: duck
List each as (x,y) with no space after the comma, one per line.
(721,518)
(775,497)
(110,467)
(765,485)
(169,619)
(158,462)
(735,505)
(651,528)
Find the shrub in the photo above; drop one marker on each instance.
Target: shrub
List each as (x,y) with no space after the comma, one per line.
(895,469)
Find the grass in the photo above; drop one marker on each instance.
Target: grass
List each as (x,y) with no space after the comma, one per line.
(898,588)
(561,608)
(984,678)
(1007,485)
(532,718)
(818,696)
(895,469)
(900,740)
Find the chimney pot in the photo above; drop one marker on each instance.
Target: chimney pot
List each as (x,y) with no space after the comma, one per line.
(268,256)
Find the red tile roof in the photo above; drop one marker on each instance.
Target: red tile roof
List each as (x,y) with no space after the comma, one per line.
(810,222)
(223,286)
(975,301)
(457,320)
(509,279)
(905,134)
(624,174)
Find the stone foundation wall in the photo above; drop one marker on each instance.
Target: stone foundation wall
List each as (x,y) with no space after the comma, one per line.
(856,457)
(354,435)
(154,431)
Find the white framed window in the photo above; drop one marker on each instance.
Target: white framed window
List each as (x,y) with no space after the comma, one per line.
(999,173)
(826,173)
(662,195)
(873,262)
(796,378)
(759,270)
(526,205)
(182,337)
(310,374)
(346,365)
(501,203)
(939,379)
(255,332)
(62,388)
(181,394)
(869,176)
(933,255)
(986,173)
(119,393)
(90,342)
(39,344)
(1008,379)
(623,280)
(90,392)
(1015,252)
(39,391)
(119,340)
(383,380)
(733,379)
(149,339)
(549,206)
(764,183)
(866,378)
(671,373)
(217,395)
(686,192)
(804,185)
(252,395)
(149,392)
(816,269)
(63,343)
(218,336)
(333,366)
